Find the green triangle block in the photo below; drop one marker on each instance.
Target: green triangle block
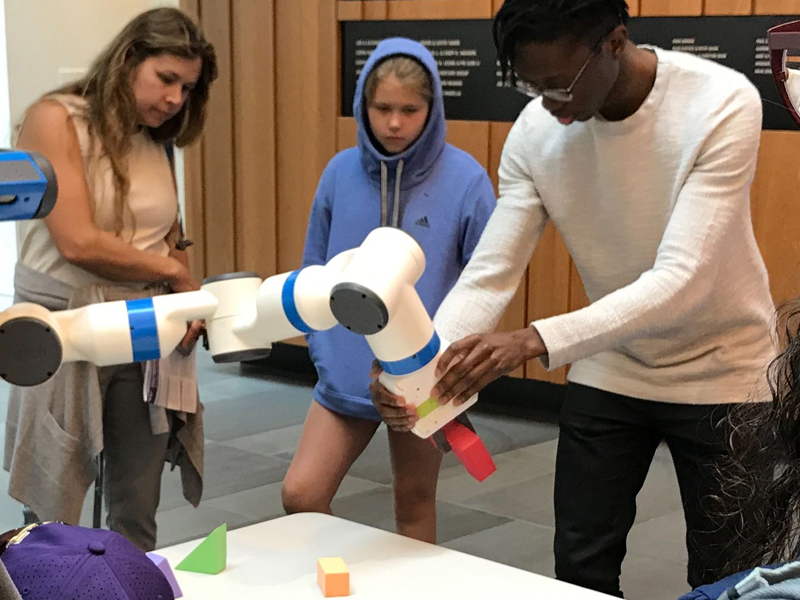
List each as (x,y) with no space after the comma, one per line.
(211,556)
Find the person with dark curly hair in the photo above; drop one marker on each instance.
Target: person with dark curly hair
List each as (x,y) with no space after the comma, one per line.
(760,483)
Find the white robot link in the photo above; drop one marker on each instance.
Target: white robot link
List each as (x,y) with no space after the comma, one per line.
(369,290)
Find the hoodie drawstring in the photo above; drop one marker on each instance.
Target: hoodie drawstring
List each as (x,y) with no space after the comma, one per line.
(398,178)
(384,185)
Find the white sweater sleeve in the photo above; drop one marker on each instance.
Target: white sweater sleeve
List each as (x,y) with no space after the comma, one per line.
(696,237)
(489,281)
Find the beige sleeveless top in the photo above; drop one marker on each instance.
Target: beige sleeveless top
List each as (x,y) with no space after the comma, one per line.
(152,201)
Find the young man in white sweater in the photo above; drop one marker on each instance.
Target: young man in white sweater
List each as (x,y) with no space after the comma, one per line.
(643,159)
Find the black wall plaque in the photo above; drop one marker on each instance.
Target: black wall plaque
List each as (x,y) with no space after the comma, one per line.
(464,52)
(736,42)
(471,78)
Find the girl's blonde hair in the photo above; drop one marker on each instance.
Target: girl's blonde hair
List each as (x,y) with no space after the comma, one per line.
(112,115)
(407,70)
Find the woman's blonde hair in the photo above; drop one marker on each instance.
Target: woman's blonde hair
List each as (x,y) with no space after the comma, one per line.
(112,116)
(407,70)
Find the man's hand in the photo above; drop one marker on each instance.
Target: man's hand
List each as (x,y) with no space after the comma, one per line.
(471,364)
(394,410)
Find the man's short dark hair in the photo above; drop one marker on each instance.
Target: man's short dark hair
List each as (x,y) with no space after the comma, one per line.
(522,21)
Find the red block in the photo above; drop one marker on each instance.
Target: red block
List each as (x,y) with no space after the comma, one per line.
(470,450)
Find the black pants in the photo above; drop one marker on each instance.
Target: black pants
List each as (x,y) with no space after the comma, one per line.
(605,447)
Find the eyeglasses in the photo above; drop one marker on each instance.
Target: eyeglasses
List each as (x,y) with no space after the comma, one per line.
(562,95)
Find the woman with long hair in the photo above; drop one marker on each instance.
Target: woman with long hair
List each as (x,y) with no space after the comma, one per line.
(114,234)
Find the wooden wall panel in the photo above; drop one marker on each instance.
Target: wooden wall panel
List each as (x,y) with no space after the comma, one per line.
(776,211)
(307,99)
(670,8)
(376,10)
(548,291)
(346,133)
(728,7)
(193,184)
(349,11)
(192,8)
(439,9)
(515,316)
(194,208)
(371,10)
(306,93)
(777,7)
(471,137)
(498,132)
(254,140)
(218,163)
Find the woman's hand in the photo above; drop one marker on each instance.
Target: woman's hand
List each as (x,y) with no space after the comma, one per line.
(180,280)
(189,340)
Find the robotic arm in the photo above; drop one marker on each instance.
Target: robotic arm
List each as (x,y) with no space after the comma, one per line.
(35,342)
(370,290)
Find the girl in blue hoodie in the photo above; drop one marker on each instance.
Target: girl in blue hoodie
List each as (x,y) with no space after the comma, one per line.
(402,174)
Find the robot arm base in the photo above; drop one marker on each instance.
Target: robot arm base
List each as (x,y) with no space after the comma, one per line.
(30,350)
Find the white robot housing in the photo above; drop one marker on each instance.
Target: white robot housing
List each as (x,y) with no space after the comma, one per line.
(370,290)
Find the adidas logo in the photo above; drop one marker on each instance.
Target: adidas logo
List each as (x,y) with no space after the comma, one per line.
(423,222)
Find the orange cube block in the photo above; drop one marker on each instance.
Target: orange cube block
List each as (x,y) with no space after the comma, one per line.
(333,577)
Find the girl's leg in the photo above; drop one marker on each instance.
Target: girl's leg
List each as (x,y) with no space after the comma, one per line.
(415,463)
(329,445)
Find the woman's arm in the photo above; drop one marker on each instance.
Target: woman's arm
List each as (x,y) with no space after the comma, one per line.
(48,129)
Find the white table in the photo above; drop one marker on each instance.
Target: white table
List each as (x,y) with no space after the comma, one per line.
(278,559)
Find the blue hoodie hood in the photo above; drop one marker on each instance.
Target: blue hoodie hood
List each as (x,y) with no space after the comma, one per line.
(419,158)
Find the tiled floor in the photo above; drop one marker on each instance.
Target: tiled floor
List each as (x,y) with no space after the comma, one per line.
(252,427)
